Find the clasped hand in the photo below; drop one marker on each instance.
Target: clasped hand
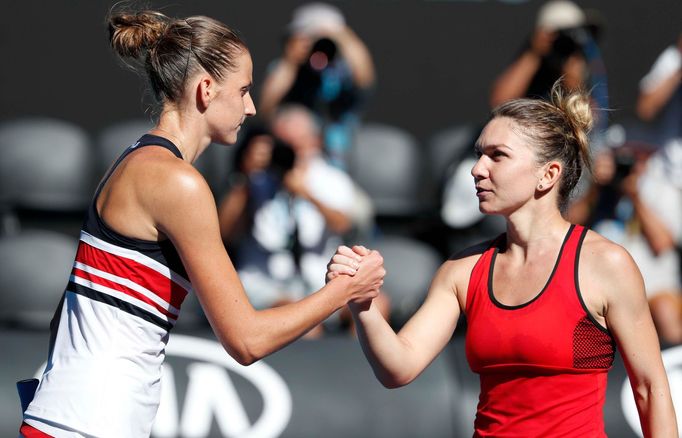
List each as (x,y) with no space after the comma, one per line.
(364,265)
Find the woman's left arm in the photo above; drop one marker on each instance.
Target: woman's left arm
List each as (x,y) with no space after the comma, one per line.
(627,315)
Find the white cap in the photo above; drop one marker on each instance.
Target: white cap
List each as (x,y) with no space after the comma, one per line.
(310,17)
(560,14)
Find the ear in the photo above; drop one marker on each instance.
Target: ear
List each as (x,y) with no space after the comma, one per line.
(550,175)
(206,91)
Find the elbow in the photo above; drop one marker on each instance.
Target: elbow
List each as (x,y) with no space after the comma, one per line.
(392,384)
(243,352)
(242,356)
(245,358)
(394,381)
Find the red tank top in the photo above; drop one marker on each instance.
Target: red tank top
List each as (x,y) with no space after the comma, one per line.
(542,364)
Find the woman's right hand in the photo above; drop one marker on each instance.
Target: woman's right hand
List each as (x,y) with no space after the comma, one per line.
(366,267)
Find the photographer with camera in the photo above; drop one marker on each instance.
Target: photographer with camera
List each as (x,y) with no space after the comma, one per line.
(633,203)
(562,45)
(326,67)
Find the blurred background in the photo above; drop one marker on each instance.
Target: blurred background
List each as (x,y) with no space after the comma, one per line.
(424,79)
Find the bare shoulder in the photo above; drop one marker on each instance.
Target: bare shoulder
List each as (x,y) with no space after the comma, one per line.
(457,269)
(167,188)
(609,268)
(605,255)
(163,174)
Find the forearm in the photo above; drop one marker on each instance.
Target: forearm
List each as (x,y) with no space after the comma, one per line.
(336,220)
(276,86)
(263,332)
(357,56)
(388,354)
(655,231)
(656,411)
(514,81)
(650,102)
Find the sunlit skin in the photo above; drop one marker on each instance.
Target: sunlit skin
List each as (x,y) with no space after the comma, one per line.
(232,102)
(512,181)
(506,173)
(154,196)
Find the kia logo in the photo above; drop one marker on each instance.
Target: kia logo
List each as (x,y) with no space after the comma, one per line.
(212,395)
(672,360)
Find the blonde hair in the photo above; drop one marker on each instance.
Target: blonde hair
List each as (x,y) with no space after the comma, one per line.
(558,131)
(172,50)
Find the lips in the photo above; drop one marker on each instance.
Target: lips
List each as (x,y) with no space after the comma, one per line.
(480,191)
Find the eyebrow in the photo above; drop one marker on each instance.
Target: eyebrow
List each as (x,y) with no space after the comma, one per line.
(479,147)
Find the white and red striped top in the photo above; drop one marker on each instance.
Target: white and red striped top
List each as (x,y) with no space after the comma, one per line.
(110,331)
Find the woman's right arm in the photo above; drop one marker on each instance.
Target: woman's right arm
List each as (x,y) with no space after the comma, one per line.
(185,211)
(397,359)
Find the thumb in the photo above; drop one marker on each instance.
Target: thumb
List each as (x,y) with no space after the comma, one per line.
(361,250)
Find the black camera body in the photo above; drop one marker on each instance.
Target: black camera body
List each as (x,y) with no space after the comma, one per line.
(625,161)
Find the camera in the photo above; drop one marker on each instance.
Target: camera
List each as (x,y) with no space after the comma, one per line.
(570,41)
(322,54)
(625,161)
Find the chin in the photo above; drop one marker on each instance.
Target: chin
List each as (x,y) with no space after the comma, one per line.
(486,208)
(228,140)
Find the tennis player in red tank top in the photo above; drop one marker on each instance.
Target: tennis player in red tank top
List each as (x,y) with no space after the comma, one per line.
(547,303)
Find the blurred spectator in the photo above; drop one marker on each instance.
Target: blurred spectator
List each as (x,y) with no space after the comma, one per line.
(563,44)
(326,67)
(660,94)
(636,201)
(254,178)
(287,211)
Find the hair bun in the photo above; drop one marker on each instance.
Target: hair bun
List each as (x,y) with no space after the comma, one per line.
(576,107)
(131,34)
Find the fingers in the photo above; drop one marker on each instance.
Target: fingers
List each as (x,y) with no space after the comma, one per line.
(374,258)
(351,262)
(359,249)
(341,268)
(345,251)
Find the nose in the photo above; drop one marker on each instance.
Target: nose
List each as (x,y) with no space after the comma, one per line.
(479,171)
(249,107)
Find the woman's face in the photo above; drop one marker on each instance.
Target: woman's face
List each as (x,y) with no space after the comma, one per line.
(232,103)
(506,173)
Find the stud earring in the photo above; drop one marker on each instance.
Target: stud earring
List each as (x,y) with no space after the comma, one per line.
(540,187)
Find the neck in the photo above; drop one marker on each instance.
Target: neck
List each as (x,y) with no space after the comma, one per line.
(528,229)
(183,132)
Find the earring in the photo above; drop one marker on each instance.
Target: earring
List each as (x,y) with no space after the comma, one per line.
(540,187)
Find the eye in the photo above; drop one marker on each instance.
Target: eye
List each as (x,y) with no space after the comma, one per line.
(478,153)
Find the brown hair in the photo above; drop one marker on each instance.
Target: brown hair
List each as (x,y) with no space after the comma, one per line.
(557,130)
(174,49)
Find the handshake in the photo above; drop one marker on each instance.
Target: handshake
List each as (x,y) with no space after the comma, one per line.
(362,268)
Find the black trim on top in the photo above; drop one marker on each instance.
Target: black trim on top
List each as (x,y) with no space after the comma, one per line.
(119,304)
(162,251)
(592,319)
(549,280)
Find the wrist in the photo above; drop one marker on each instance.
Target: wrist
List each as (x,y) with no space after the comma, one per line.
(342,285)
